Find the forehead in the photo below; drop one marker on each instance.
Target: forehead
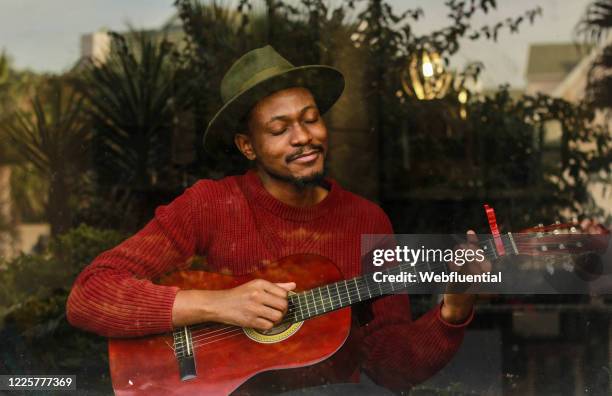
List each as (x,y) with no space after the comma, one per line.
(282,103)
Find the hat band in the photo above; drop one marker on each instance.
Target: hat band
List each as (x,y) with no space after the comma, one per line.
(262,75)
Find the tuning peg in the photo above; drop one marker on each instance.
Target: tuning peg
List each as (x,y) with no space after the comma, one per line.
(544,248)
(561,246)
(557,222)
(573,230)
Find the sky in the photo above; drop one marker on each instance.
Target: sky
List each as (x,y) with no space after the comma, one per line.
(44,35)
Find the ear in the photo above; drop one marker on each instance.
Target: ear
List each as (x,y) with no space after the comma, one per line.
(243,142)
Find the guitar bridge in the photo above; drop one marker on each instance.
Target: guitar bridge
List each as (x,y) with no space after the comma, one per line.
(183,350)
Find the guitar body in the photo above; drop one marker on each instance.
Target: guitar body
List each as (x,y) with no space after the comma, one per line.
(226,358)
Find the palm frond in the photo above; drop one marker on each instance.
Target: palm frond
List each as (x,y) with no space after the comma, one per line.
(133,100)
(596,21)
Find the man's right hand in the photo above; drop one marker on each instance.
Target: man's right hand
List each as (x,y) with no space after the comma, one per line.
(259,304)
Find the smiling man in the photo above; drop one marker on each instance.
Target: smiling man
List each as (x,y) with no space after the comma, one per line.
(284,205)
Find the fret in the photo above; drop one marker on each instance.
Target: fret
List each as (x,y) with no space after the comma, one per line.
(300,307)
(307,306)
(512,243)
(331,302)
(322,303)
(314,302)
(490,247)
(338,293)
(365,280)
(392,289)
(357,287)
(379,289)
(347,292)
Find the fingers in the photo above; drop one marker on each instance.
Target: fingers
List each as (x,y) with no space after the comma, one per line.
(269,314)
(270,299)
(287,286)
(262,324)
(278,289)
(471,237)
(275,302)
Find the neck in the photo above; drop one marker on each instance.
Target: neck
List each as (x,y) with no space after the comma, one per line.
(290,194)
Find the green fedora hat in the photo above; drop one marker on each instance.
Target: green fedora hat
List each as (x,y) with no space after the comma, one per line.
(257,74)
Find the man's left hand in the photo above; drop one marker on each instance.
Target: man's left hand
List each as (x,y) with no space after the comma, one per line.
(458,306)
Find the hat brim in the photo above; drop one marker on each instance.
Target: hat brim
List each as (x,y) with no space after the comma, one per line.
(324,82)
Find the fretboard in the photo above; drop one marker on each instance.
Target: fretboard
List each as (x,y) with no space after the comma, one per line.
(333,296)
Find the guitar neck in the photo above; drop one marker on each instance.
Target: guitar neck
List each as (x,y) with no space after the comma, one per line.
(341,294)
(333,296)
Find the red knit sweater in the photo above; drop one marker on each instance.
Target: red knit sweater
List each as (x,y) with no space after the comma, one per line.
(239,226)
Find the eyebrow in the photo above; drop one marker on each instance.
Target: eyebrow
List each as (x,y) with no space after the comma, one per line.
(284,117)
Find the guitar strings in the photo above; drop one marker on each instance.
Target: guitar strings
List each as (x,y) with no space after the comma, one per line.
(233,331)
(207,333)
(199,340)
(518,237)
(202,340)
(202,335)
(349,289)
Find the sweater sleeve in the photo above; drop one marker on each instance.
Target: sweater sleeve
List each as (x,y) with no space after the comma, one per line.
(400,352)
(114,296)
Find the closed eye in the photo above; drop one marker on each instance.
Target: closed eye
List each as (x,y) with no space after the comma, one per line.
(279,132)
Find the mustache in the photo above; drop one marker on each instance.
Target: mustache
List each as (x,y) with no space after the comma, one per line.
(302,150)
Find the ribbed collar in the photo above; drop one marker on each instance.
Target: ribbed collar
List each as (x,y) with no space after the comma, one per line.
(256,194)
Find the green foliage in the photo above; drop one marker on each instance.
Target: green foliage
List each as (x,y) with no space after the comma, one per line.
(52,136)
(594,26)
(134,98)
(532,157)
(79,246)
(29,190)
(38,275)
(596,21)
(37,337)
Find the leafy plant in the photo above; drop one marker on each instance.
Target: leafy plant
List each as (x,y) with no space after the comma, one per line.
(37,337)
(53,136)
(595,26)
(134,98)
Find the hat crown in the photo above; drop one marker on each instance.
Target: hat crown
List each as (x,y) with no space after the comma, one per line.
(251,68)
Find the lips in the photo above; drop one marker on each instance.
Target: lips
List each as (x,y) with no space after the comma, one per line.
(307,157)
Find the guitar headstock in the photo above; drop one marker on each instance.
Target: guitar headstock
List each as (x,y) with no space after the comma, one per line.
(559,238)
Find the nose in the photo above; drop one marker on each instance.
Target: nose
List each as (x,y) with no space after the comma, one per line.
(300,135)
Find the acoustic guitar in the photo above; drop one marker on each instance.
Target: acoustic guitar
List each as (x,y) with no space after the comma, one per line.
(215,359)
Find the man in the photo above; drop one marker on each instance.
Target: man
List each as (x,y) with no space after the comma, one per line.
(272,112)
